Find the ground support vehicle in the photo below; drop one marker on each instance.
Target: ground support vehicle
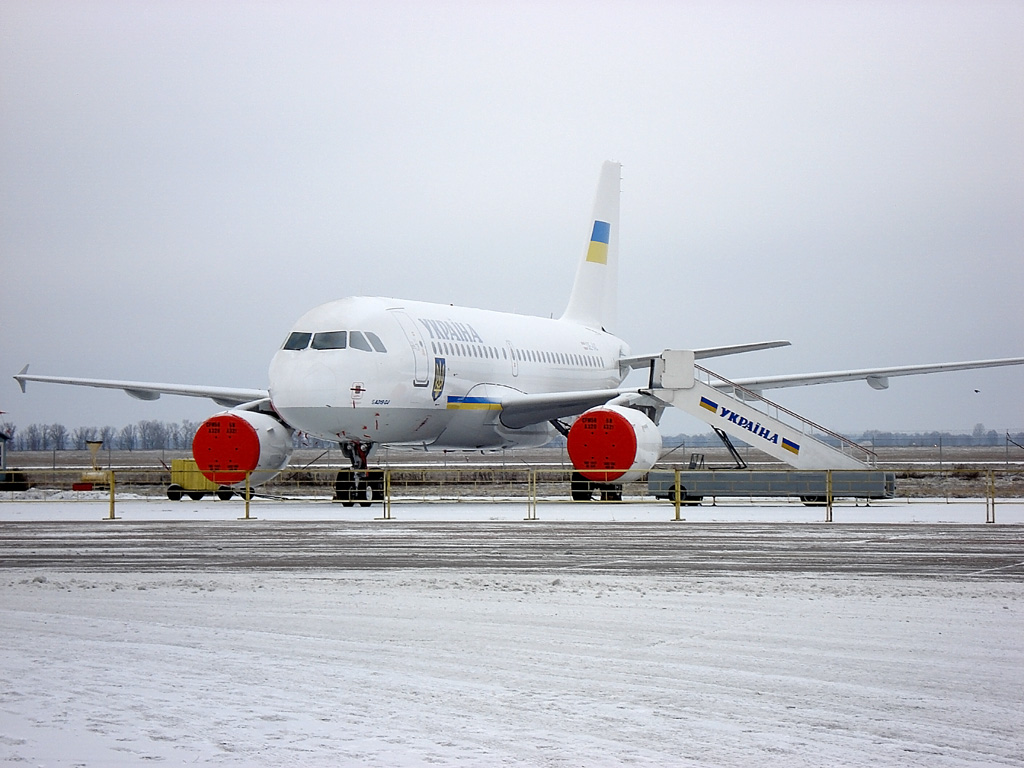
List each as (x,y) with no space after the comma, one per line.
(811,486)
(187,480)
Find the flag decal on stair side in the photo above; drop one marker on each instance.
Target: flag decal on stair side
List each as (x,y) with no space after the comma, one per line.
(710,405)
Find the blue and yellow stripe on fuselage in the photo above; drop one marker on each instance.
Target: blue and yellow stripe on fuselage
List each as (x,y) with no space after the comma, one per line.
(473,403)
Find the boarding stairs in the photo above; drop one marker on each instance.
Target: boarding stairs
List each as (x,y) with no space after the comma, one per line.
(678,381)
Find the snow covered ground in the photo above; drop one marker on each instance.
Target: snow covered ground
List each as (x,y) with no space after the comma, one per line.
(93,505)
(539,665)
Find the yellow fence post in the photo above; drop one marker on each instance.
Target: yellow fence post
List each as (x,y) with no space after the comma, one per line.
(386,503)
(248,496)
(531,498)
(677,492)
(110,478)
(828,495)
(990,498)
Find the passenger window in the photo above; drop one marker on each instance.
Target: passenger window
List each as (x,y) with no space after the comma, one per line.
(330,340)
(297,340)
(378,345)
(358,341)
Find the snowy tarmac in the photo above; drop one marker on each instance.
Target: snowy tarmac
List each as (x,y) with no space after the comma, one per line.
(462,635)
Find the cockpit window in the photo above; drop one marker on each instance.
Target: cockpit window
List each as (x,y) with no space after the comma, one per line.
(332,340)
(378,345)
(297,340)
(367,341)
(358,341)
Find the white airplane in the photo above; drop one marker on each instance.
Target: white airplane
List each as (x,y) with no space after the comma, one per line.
(366,372)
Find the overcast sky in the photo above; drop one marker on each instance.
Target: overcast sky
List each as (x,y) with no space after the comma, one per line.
(180,181)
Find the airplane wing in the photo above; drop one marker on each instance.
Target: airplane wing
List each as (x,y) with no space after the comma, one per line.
(147,390)
(644,361)
(521,410)
(877,378)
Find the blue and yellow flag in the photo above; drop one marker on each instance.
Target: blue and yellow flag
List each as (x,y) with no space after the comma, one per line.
(598,250)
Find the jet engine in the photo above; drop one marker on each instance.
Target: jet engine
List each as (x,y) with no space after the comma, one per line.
(234,442)
(612,443)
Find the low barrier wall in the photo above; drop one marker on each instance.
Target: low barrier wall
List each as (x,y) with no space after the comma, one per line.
(532,486)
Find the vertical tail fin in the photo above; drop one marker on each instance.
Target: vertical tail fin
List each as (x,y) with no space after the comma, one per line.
(594,292)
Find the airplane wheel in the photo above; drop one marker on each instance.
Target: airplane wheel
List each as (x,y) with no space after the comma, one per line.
(174,492)
(224,493)
(343,488)
(689,501)
(376,481)
(364,493)
(580,488)
(611,493)
(195,495)
(814,501)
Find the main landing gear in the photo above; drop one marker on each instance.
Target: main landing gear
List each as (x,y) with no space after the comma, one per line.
(583,489)
(359,485)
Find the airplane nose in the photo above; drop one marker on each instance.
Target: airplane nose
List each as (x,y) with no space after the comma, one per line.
(303,384)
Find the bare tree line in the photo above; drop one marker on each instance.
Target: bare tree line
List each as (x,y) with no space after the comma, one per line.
(146,435)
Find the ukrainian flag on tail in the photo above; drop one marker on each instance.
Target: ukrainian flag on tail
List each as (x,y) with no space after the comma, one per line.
(598,250)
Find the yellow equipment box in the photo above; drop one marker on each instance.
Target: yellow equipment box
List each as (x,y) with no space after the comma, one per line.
(186,475)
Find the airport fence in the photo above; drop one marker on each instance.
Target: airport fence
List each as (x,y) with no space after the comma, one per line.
(533,486)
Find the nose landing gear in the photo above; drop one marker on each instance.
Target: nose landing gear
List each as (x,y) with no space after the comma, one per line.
(359,485)
(353,487)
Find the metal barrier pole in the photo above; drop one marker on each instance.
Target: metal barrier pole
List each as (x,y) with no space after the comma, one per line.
(386,503)
(828,495)
(676,493)
(990,498)
(248,496)
(531,502)
(110,477)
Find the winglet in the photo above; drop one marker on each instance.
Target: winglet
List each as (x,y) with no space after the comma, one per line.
(21,381)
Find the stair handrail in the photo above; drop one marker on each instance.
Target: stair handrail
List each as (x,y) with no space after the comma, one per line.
(869,456)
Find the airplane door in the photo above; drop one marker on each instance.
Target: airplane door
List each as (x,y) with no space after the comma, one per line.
(512,357)
(421,362)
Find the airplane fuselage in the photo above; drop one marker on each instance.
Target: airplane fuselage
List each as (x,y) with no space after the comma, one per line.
(377,370)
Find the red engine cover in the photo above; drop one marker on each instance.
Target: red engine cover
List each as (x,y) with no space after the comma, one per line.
(602,439)
(225,448)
